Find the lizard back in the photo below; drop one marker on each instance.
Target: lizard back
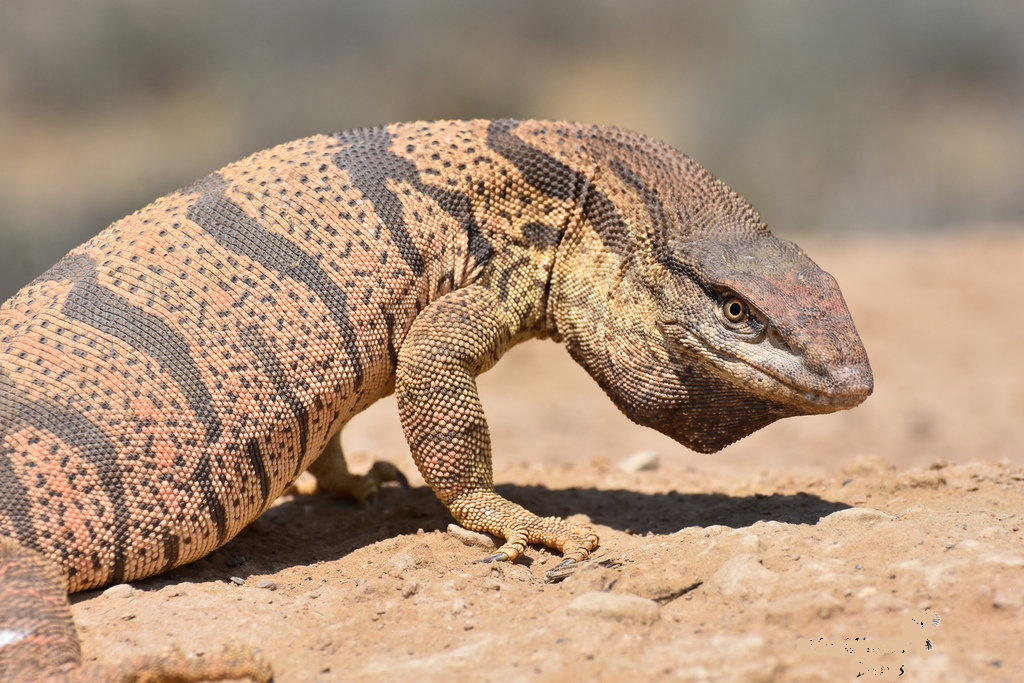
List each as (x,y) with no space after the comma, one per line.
(165,381)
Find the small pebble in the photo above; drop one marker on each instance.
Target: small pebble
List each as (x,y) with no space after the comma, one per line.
(238,580)
(121,590)
(642,461)
(743,577)
(857,514)
(399,563)
(471,538)
(751,543)
(267,584)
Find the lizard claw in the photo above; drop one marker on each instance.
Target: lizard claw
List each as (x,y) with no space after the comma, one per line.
(562,570)
(496,557)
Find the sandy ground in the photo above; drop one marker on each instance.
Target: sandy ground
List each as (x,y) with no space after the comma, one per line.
(788,556)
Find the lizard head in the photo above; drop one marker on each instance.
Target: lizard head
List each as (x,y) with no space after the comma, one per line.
(763,313)
(738,334)
(713,327)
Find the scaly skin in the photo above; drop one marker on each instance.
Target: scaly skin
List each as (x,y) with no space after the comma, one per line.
(167,380)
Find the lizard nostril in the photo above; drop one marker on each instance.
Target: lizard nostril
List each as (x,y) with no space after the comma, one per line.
(855,379)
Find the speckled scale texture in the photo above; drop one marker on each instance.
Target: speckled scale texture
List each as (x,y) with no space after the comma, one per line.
(167,380)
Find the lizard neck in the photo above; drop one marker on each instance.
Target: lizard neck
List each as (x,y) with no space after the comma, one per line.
(593,292)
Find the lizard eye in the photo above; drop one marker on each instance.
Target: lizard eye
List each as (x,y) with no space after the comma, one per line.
(735,309)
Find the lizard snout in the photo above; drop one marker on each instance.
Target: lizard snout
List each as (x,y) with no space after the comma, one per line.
(852,383)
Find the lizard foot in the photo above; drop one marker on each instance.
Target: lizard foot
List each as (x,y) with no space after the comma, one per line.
(488,512)
(361,487)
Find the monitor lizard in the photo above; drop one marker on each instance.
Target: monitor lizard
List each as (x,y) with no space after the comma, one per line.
(168,379)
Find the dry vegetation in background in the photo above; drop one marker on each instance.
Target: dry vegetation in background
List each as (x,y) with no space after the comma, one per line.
(831,117)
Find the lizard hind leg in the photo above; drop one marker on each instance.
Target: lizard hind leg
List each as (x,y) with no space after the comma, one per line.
(333,476)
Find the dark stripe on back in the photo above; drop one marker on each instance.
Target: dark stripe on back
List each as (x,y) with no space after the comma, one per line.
(271,366)
(661,223)
(91,303)
(370,163)
(556,179)
(255,455)
(72,427)
(14,502)
(234,229)
(368,158)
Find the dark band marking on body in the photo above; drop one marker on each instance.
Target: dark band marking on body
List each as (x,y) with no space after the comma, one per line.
(101,308)
(271,366)
(254,454)
(661,223)
(556,179)
(90,303)
(371,179)
(540,235)
(171,545)
(235,230)
(15,513)
(76,430)
(390,322)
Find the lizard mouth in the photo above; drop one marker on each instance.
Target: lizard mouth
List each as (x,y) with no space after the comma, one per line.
(843,387)
(823,398)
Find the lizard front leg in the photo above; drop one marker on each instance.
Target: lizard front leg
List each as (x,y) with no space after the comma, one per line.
(451,341)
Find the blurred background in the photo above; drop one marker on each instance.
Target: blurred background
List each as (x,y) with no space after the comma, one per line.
(842,122)
(827,115)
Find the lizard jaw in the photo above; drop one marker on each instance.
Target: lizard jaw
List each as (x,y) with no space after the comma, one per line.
(843,387)
(846,389)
